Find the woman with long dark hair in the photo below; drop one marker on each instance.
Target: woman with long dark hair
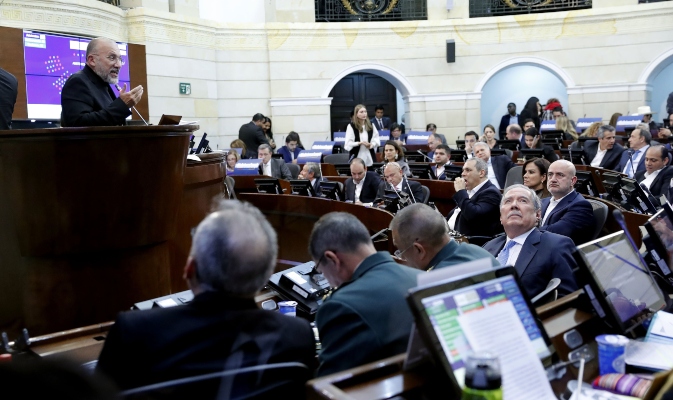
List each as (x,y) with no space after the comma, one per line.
(532,110)
(535,176)
(533,141)
(266,127)
(393,152)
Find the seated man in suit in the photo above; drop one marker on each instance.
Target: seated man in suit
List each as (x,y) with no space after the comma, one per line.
(566,212)
(442,159)
(498,166)
(366,318)
(270,166)
(422,236)
(291,149)
(633,159)
(252,134)
(477,202)
(471,138)
(362,186)
(379,121)
(657,175)
(537,256)
(604,152)
(87,98)
(311,171)
(395,180)
(221,328)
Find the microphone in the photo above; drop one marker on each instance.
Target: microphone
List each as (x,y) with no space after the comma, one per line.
(423,154)
(633,170)
(351,159)
(410,191)
(119,89)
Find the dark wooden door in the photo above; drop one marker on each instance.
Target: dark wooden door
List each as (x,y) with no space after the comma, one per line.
(361,88)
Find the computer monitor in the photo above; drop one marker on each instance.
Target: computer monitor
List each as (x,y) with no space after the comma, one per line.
(36,123)
(302,187)
(422,171)
(415,157)
(611,185)
(581,141)
(460,144)
(203,145)
(586,184)
(617,283)
(528,154)
(451,172)
(331,190)
(553,143)
(456,317)
(343,169)
(659,242)
(268,185)
(575,156)
(458,156)
(552,134)
(376,167)
(513,145)
(498,152)
(636,198)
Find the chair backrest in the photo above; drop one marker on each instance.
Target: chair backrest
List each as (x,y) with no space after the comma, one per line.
(229,183)
(294,170)
(426,194)
(281,380)
(514,176)
(336,158)
(509,153)
(600,215)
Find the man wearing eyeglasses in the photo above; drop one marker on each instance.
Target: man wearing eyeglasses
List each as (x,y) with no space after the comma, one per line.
(87,98)
(366,318)
(423,238)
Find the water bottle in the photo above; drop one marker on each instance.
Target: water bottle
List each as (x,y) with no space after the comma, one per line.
(483,380)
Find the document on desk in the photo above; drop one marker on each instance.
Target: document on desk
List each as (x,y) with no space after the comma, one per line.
(498,329)
(662,325)
(649,355)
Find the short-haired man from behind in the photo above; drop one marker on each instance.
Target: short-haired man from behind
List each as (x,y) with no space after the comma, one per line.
(421,235)
(657,175)
(221,328)
(537,256)
(253,135)
(566,212)
(366,317)
(362,187)
(604,152)
(311,172)
(477,202)
(395,180)
(270,166)
(498,166)
(514,132)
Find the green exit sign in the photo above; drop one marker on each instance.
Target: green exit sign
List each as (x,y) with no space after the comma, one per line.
(185,88)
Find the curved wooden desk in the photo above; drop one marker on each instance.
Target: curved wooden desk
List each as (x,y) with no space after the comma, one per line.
(85,218)
(293,217)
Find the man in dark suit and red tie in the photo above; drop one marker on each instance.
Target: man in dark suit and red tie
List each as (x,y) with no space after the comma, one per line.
(379,121)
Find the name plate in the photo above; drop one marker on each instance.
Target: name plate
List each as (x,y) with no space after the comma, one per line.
(236,149)
(548,125)
(339,137)
(384,138)
(246,167)
(627,121)
(310,156)
(584,123)
(325,147)
(417,138)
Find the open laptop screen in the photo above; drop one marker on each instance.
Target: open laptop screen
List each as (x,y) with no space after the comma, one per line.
(485,312)
(618,281)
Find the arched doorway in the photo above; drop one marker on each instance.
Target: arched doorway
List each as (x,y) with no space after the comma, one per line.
(657,76)
(361,88)
(515,81)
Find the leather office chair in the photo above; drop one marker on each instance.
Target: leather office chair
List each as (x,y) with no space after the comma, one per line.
(509,153)
(281,380)
(548,295)
(514,176)
(294,170)
(426,194)
(336,158)
(229,184)
(600,214)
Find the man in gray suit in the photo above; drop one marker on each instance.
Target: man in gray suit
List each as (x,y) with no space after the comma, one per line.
(270,166)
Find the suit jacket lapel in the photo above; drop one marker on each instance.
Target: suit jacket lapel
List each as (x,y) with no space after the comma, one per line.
(561,205)
(527,252)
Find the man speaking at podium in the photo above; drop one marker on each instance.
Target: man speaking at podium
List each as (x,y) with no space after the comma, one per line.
(87,98)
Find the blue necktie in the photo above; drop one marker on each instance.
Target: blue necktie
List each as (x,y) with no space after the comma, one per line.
(503,256)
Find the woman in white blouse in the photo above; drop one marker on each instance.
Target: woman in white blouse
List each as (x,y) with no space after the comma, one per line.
(362,138)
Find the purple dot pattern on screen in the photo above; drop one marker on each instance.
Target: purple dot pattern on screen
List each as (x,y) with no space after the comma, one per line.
(53,64)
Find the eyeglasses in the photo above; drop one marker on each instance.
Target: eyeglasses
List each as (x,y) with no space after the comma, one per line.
(113,58)
(315,267)
(399,253)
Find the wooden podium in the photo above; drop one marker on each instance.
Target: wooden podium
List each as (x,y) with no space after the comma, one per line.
(85,216)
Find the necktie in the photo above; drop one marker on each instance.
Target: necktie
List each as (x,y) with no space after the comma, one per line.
(380,124)
(504,253)
(629,165)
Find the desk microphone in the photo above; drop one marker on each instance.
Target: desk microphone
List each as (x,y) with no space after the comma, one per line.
(133,107)
(633,170)
(425,156)
(410,191)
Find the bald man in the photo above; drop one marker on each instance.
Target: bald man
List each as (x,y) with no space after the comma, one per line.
(87,98)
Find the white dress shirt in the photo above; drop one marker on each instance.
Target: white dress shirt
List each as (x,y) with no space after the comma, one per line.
(600,154)
(515,250)
(358,188)
(649,178)
(552,205)
(491,174)
(266,168)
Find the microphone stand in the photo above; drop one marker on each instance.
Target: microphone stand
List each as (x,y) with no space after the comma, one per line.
(425,156)
(633,170)
(133,107)
(410,191)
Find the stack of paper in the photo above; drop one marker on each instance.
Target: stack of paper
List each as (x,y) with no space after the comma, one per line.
(656,351)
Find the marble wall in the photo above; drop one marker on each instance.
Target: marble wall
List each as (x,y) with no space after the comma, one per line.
(285,65)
